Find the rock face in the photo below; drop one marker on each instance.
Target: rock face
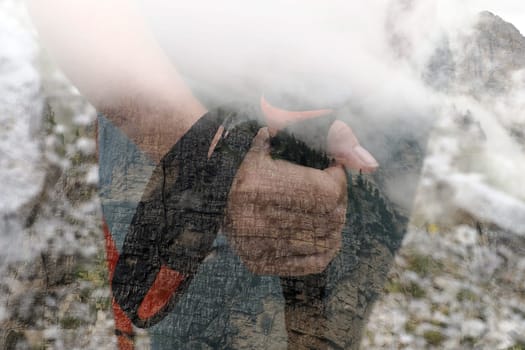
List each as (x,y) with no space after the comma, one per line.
(21,155)
(481,74)
(49,226)
(440,293)
(490,55)
(458,278)
(481,62)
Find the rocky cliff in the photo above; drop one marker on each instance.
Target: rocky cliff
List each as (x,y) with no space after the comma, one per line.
(457,282)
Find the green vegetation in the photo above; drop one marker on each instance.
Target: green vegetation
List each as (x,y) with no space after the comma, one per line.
(468,341)
(438,323)
(69,322)
(423,265)
(411,325)
(466,295)
(95,274)
(415,290)
(443,308)
(434,337)
(412,289)
(393,287)
(95,277)
(519,346)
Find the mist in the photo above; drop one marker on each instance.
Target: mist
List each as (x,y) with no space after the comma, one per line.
(368,61)
(371,62)
(325,53)
(369,58)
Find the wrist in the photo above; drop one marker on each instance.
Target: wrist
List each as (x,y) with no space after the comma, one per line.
(154,127)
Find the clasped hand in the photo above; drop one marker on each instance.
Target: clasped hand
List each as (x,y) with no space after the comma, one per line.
(286,219)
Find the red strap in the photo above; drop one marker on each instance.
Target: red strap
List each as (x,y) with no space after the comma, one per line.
(125,343)
(122,322)
(111,249)
(166,283)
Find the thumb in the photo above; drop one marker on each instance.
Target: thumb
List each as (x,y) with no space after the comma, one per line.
(344,146)
(339,176)
(277,118)
(261,142)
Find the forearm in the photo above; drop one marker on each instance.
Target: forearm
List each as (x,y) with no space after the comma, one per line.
(107,51)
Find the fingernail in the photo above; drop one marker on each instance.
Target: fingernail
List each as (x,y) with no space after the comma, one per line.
(365,156)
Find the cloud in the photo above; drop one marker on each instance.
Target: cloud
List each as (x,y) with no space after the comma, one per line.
(370,55)
(367,56)
(324,51)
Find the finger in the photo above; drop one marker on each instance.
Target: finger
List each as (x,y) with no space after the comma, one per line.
(215,140)
(282,182)
(344,146)
(277,118)
(338,175)
(261,142)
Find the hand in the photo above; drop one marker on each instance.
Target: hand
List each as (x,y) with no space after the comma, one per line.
(285,219)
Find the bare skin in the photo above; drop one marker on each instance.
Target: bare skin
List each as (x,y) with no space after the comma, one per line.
(108,53)
(284,219)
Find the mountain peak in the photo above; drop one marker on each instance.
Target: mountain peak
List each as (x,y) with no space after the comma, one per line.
(483,61)
(488,21)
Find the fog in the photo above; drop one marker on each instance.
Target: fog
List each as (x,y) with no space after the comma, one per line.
(366,60)
(325,53)
(367,56)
